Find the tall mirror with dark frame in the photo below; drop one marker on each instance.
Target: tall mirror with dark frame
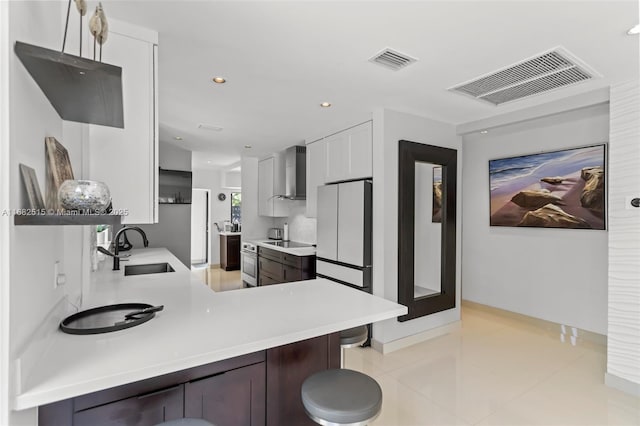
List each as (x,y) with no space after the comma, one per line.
(426,228)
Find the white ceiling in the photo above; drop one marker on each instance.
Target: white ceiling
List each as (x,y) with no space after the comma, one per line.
(282,59)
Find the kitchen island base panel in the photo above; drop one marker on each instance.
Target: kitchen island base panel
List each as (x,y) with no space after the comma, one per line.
(262,388)
(288,366)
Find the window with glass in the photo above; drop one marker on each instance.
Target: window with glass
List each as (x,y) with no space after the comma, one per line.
(236,207)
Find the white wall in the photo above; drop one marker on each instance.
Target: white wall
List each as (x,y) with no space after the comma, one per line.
(623,342)
(219,210)
(253,226)
(32,118)
(558,275)
(5,221)
(388,128)
(231,180)
(173,229)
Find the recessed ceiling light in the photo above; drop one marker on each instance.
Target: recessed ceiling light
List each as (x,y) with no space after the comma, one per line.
(247,146)
(219,80)
(208,161)
(634,31)
(484,132)
(210,127)
(325,105)
(178,138)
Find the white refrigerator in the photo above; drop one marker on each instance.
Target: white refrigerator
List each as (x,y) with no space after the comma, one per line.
(344,233)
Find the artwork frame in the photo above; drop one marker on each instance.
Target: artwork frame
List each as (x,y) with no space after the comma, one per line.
(58,166)
(436,213)
(561,189)
(32,187)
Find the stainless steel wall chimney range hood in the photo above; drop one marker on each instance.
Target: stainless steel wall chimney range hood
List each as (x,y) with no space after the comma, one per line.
(295,173)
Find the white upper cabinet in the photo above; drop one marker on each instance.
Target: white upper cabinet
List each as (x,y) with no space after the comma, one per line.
(349,154)
(316,170)
(343,156)
(271,183)
(337,165)
(127,159)
(360,152)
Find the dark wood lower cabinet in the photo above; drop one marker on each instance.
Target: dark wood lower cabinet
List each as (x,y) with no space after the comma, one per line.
(143,410)
(262,388)
(236,397)
(265,279)
(288,367)
(230,252)
(275,267)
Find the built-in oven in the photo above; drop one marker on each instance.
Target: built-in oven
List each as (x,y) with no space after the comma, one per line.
(249,264)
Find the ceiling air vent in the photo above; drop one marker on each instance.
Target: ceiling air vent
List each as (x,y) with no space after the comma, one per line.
(392,59)
(548,71)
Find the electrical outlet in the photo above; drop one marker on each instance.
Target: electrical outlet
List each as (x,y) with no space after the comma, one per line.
(56,272)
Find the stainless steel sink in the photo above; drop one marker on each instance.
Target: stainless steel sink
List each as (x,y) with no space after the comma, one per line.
(149,268)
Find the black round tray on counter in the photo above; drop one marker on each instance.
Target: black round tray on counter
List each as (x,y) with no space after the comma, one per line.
(106,319)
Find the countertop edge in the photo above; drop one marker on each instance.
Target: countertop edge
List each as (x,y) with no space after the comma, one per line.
(34,399)
(298,251)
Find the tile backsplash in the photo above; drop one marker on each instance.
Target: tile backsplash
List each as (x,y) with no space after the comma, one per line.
(301,228)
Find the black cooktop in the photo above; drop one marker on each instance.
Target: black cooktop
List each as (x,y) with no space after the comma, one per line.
(287,244)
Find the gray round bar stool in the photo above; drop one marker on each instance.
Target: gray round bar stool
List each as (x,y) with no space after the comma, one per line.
(351,338)
(186,422)
(341,397)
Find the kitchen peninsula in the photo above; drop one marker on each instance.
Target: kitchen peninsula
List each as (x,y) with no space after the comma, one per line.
(197,330)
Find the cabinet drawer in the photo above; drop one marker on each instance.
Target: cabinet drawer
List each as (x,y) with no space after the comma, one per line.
(270,254)
(290,259)
(270,267)
(235,397)
(149,409)
(267,280)
(291,274)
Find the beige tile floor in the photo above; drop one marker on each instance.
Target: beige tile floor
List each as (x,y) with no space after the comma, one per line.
(496,371)
(219,279)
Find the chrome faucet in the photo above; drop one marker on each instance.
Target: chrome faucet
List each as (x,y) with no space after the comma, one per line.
(116,243)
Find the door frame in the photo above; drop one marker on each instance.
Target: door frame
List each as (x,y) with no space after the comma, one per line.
(208,222)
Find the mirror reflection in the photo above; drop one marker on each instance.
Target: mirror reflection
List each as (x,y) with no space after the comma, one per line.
(428,230)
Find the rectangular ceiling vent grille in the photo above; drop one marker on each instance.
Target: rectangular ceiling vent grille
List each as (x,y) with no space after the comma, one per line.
(548,71)
(392,59)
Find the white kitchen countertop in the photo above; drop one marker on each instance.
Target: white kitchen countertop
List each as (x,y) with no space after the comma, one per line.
(228,233)
(196,327)
(297,251)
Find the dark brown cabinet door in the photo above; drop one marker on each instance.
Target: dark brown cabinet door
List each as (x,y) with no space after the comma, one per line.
(291,274)
(233,252)
(149,409)
(267,280)
(271,268)
(288,367)
(230,252)
(234,398)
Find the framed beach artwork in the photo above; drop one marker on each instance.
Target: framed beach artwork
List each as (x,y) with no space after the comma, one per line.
(557,189)
(436,216)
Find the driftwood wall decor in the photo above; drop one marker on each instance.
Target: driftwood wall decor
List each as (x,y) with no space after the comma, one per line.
(32,188)
(58,168)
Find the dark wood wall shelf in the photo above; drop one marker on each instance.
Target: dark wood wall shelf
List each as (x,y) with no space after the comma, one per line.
(67,219)
(79,89)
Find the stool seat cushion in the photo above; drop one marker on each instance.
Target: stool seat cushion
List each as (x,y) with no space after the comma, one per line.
(341,396)
(186,422)
(354,335)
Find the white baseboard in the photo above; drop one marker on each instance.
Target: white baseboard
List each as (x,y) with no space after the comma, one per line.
(622,384)
(404,342)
